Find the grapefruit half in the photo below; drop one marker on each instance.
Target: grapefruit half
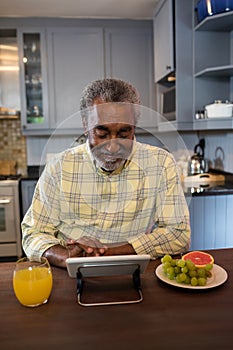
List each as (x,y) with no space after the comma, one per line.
(200,259)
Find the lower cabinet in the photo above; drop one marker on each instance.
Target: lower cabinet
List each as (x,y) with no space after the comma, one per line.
(27,191)
(211,222)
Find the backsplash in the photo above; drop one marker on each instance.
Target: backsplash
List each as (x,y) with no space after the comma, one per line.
(13,144)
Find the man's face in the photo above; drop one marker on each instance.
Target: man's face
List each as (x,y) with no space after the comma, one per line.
(110,133)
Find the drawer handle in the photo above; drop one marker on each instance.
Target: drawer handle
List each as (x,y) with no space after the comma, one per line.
(5,201)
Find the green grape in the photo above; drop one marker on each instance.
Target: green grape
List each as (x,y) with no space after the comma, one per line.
(180,263)
(173,262)
(201,272)
(209,267)
(193,273)
(171,276)
(201,281)
(166,265)
(181,277)
(184,269)
(190,265)
(194,281)
(170,270)
(166,258)
(177,270)
(178,278)
(187,280)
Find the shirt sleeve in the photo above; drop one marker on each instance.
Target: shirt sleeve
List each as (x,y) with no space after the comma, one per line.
(170,232)
(39,225)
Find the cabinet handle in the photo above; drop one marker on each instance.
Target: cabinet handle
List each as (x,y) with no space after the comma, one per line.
(5,201)
(168,67)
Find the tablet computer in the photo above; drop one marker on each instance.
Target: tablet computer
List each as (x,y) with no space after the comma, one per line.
(107,265)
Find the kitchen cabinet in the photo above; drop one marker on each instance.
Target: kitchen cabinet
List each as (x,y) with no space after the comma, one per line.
(27,190)
(129,56)
(75,58)
(211,221)
(163,40)
(9,74)
(67,56)
(33,78)
(213,66)
(181,78)
(10,234)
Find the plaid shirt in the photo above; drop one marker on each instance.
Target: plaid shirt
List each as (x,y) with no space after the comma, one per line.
(142,203)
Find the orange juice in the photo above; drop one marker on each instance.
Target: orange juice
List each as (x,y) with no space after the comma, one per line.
(32,286)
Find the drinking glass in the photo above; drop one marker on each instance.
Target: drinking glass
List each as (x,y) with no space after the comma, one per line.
(32,281)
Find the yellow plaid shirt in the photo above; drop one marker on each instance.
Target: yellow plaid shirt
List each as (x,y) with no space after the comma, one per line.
(142,203)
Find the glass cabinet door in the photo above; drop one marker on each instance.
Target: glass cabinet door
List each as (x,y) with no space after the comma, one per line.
(33,80)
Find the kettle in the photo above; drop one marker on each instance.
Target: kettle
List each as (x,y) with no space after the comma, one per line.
(197,163)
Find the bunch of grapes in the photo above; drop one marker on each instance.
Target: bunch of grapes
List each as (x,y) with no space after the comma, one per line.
(185,271)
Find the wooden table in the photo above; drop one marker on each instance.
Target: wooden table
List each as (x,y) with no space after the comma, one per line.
(167,318)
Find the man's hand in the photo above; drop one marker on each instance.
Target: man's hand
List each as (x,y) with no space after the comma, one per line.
(89,246)
(93,247)
(85,246)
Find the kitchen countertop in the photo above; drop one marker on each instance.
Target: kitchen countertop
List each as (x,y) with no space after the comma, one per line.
(212,188)
(167,317)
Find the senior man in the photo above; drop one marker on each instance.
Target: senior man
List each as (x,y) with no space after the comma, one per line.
(111,195)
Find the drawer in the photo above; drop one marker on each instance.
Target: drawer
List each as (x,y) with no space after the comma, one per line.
(6,191)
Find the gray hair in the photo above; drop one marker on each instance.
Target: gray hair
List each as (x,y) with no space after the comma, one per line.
(108,90)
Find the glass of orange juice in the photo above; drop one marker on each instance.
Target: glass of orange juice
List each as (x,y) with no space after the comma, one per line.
(32,281)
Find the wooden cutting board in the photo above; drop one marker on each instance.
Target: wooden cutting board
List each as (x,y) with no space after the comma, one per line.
(7,167)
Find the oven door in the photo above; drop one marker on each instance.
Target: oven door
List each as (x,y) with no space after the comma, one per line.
(7,220)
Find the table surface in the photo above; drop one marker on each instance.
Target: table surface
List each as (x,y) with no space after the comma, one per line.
(168,318)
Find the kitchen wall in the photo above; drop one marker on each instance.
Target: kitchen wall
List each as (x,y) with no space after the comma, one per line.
(13,144)
(218,150)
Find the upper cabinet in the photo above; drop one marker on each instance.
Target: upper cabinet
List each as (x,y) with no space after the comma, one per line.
(9,74)
(164,40)
(173,49)
(58,61)
(129,56)
(213,66)
(75,58)
(33,78)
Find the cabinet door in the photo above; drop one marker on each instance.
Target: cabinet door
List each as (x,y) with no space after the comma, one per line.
(27,191)
(33,78)
(75,59)
(129,56)
(211,223)
(213,67)
(163,40)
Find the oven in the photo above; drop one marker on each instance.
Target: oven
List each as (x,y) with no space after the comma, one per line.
(10,231)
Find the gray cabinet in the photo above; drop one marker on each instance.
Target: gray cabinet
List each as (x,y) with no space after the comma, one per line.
(183,63)
(129,56)
(211,222)
(213,66)
(76,57)
(74,53)
(27,191)
(163,40)
(33,78)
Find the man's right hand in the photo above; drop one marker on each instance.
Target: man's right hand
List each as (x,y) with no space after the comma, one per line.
(90,246)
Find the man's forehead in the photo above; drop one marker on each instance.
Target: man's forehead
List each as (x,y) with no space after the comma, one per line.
(106,113)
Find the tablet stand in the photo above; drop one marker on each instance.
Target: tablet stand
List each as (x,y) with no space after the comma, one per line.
(109,269)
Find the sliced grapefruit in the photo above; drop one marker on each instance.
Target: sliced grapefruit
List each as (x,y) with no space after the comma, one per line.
(200,259)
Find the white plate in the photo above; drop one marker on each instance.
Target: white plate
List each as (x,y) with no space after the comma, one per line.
(219,276)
